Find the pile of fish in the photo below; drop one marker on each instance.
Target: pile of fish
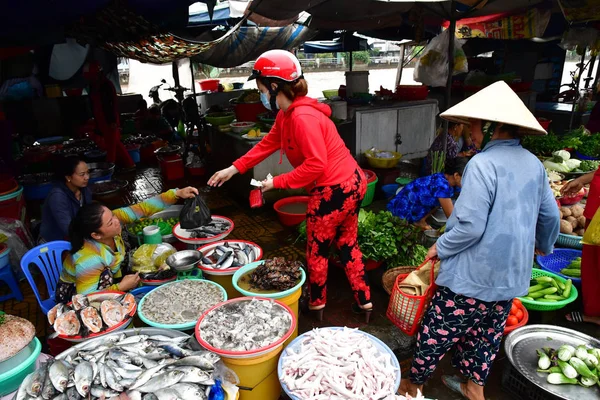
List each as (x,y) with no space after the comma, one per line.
(276,274)
(338,363)
(181,302)
(230,255)
(84,317)
(245,325)
(141,366)
(212,229)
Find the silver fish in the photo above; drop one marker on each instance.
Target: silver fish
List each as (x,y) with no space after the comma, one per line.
(34,389)
(163,338)
(134,395)
(195,375)
(127,366)
(132,340)
(124,373)
(176,350)
(116,354)
(242,258)
(161,381)
(166,394)
(201,361)
(72,394)
(22,392)
(62,396)
(146,376)
(102,373)
(48,390)
(150,396)
(99,391)
(83,376)
(112,379)
(187,391)
(59,374)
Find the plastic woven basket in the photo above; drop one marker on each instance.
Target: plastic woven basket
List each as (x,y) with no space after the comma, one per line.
(389,277)
(570,241)
(561,258)
(370,194)
(542,306)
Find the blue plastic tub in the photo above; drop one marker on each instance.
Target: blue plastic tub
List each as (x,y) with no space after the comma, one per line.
(559,259)
(180,327)
(580,156)
(135,155)
(390,190)
(37,192)
(140,292)
(101,178)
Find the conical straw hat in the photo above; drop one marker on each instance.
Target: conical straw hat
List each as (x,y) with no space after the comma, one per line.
(496,103)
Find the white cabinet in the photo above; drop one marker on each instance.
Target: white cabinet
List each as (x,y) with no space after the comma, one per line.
(408,128)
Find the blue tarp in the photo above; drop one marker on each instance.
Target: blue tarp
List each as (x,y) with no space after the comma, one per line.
(335,46)
(220,17)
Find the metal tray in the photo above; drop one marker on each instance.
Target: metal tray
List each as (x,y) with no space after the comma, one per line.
(120,186)
(521,346)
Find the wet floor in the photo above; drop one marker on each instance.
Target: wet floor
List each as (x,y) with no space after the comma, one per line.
(261,226)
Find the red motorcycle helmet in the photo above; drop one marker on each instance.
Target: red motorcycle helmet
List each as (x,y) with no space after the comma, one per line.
(278,64)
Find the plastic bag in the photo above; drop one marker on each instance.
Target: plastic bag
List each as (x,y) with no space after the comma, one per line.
(194,214)
(216,391)
(151,257)
(432,66)
(17,237)
(592,233)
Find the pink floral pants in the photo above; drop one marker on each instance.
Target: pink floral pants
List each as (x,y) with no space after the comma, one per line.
(475,327)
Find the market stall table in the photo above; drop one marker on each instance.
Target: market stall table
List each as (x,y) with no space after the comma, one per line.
(560,115)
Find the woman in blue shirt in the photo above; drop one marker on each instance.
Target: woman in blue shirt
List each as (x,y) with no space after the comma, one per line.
(420,198)
(69,193)
(506,212)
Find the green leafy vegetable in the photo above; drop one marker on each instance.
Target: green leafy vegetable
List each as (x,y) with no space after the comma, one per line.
(2,317)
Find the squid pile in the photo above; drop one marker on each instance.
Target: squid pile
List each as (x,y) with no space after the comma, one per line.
(338,364)
(139,366)
(84,316)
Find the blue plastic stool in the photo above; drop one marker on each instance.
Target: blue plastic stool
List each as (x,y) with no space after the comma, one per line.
(48,258)
(8,277)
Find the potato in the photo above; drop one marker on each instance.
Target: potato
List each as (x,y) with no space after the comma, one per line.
(566,211)
(561,214)
(577,211)
(566,227)
(572,221)
(581,221)
(580,232)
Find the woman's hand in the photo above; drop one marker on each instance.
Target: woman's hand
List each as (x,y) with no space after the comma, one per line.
(222,176)
(571,188)
(186,193)
(129,282)
(432,252)
(267,185)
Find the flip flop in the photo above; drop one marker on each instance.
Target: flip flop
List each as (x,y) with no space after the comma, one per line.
(453,383)
(576,317)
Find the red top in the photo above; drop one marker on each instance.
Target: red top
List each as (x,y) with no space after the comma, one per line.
(311,143)
(593,201)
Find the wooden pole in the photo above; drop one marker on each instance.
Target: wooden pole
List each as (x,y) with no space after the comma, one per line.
(350,61)
(577,89)
(451,36)
(400,66)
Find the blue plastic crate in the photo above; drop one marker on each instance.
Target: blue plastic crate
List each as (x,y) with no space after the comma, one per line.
(584,157)
(559,259)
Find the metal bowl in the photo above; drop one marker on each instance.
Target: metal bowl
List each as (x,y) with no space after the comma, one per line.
(101,169)
(168,150)
(184,260)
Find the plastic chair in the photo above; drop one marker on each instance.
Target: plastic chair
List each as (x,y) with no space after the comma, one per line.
(48,258)
(8,277)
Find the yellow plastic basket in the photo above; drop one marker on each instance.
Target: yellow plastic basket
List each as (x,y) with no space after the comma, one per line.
(383,163)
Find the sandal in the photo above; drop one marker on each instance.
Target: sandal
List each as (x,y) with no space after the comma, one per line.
(356,309)
(453,383)
(576,317)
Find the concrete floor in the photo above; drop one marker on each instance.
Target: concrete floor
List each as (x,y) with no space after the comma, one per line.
(262,227)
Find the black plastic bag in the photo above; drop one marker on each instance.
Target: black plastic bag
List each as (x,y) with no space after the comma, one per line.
(194,214)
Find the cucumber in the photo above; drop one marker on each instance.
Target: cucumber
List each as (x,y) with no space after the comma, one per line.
(546,300)
(574,273)
(560,284)
(543,292)
(529,298)
(568,287)
(537,288)
(544,279)
(553,297)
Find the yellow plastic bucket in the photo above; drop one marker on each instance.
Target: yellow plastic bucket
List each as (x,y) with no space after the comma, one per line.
(226,283)
(292,302)
(254,372)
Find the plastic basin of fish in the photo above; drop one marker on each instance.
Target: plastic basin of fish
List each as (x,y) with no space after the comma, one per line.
(10,380)
(287,218)
(97,297)
(157,282)
(184,235)
(229,271)
(295,344)
(186,326)
(245,354)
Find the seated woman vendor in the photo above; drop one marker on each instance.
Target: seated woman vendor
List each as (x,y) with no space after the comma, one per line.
(458,141)
(420,198)
(97,248)
(69,193)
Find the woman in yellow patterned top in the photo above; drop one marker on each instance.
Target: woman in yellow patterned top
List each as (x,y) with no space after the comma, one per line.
(98,250)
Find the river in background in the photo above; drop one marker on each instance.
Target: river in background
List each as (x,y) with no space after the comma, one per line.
(144,76)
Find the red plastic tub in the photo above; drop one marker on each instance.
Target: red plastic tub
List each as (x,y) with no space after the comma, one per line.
(248,111)
(288,218)
(370,175)
(172,167)
(412,92)
(209,84)
(197,171)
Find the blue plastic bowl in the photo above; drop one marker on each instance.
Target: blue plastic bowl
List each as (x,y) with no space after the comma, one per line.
(180,327)
(141,291)
(382,347)
(584,157)
(559,259)
(251,267)
(101,178)
(390,190)
(37,192)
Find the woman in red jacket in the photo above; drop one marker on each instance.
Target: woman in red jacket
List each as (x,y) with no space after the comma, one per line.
(322,164)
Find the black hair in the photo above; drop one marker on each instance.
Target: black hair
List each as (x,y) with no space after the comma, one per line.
(66,167)
(456,166)
(452,125)
(512,130)
(87,221)
(154,110)
(142,104)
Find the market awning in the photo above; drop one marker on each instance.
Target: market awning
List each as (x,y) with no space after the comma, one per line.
(336,46)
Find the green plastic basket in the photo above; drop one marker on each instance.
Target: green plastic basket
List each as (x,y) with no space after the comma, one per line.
(195,273)
(570,241)
(370,194)
(541,306)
